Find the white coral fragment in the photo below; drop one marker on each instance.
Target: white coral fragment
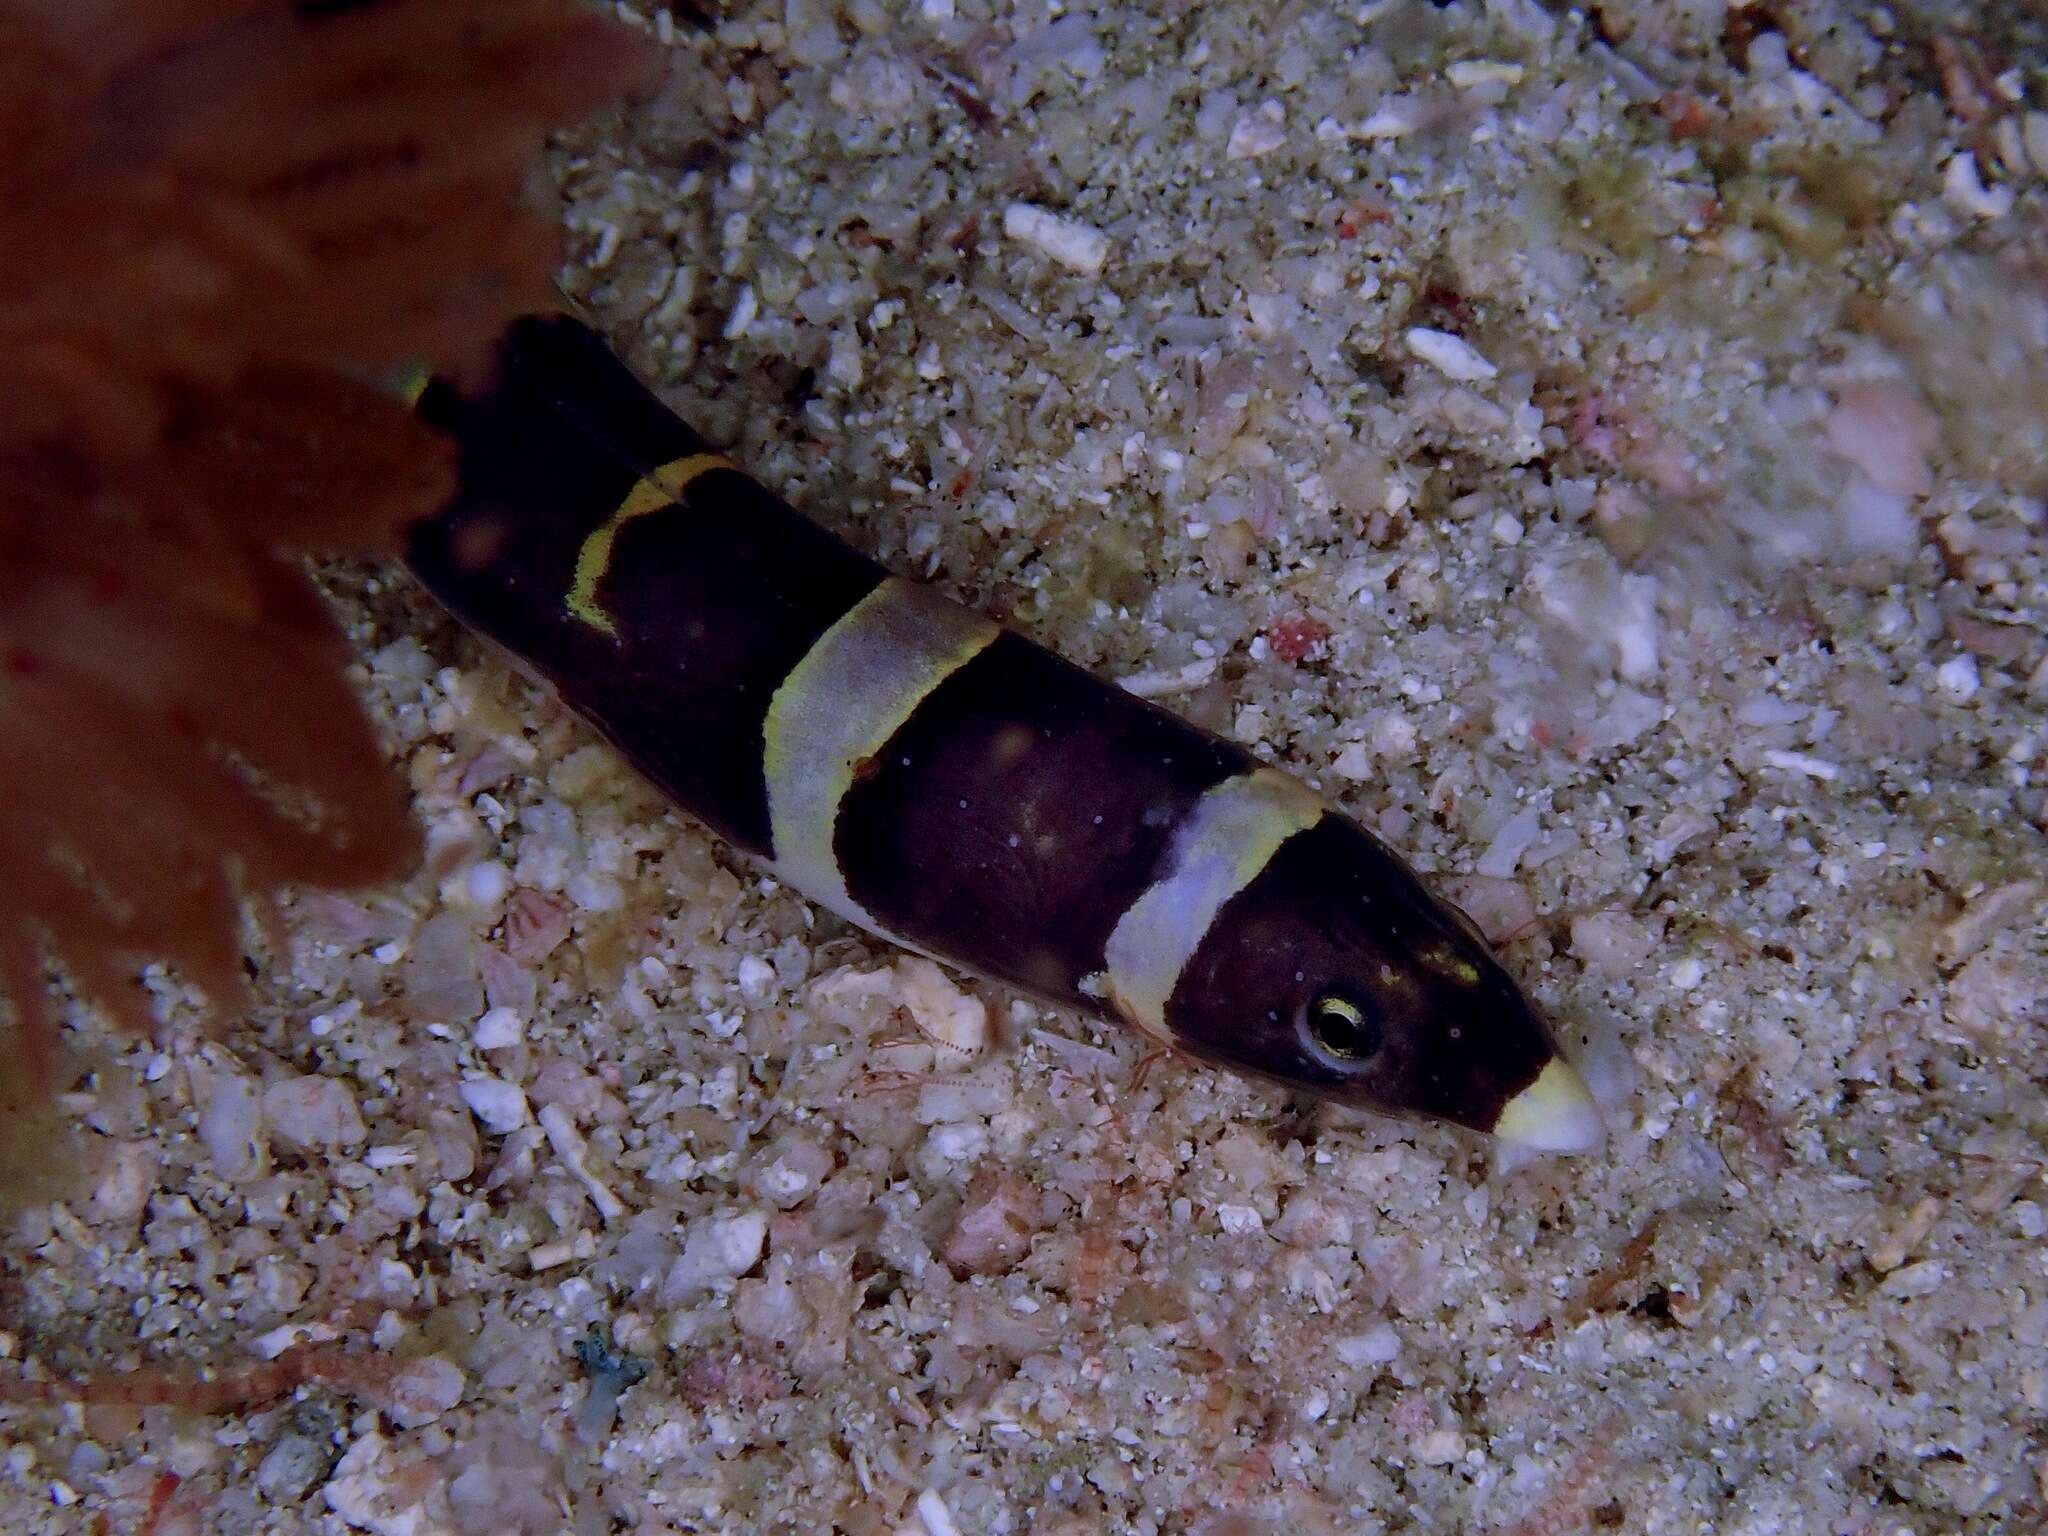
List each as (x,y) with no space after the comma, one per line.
(1377,1345)
(1818,768)
(1467,73)
(1159,682)
(570,1148)
(1452,356)
(1080,247)
(1393,119)
(1503,855)
(947,1015)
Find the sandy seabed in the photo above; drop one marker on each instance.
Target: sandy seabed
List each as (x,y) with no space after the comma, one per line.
(1604,451)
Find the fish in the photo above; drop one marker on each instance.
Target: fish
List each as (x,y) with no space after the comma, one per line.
(948,784)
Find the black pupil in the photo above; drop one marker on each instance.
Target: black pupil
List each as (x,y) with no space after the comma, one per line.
(1344,1028)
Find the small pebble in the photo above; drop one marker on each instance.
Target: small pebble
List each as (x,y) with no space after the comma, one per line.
(716,1248)
(1440,1447)
(1353,762)
(497,1029)
(1378,1344)
(312,1113)
(1958,677)
(2034,133)
(1893,1249)
(1963,187)
(1799,762)
(489,883)
(1239,1220)
(291,1468)
(1612,943)
(1258,132)
(1915,1280)
(1394,736)
(933,1515)
(423,1390)
(500,1105)
(361,1490)
(744,309)
(756,978)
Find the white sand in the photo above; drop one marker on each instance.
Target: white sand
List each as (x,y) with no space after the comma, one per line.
(1633,510)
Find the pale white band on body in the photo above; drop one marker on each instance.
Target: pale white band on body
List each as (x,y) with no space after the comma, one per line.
(1229,836)
(839,706)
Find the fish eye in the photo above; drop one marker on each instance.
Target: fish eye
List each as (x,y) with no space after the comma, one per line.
(1343,1026)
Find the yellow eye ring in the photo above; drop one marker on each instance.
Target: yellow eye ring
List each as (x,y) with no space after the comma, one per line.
(1342,1027)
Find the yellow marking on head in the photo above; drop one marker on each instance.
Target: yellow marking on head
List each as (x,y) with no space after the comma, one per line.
(658,488)
(413,382)
(1446,961)
(837,709)
(1219,848)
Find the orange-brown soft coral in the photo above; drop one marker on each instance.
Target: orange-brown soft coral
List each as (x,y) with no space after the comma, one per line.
(221,223)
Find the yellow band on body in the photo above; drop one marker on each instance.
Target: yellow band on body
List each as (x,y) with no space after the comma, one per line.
(658,488)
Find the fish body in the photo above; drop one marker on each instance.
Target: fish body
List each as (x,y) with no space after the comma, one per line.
(948,784)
